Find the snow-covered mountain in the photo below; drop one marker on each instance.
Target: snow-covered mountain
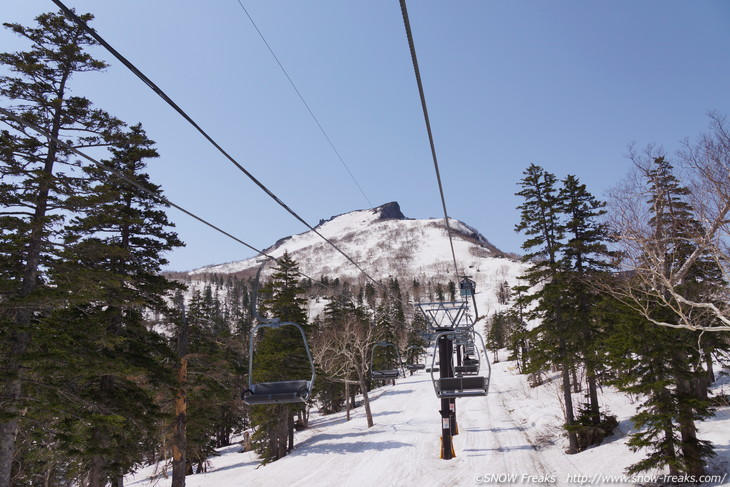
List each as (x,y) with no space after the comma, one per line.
(386,244)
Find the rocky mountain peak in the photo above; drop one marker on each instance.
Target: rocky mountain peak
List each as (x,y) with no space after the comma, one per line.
(389,211)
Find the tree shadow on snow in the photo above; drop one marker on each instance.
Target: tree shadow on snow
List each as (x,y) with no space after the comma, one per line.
(500,449)
(419,381)
(351,447)
(385,413)
(390,392)
(235,465)
(324,421)
(322,443)
(494,430)
(312,440)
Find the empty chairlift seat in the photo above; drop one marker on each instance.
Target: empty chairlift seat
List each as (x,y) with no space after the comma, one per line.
(467,287)
(470,367)
(465,382)
(468,386)
(286,391)
(278,392)
(385,374)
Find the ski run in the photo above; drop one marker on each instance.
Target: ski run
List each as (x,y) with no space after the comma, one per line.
(510,437)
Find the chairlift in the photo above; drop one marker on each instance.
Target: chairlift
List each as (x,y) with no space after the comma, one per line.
(433,367)
(470,366)
(464,385)
(462,336)
(467,287)
(442,315)
(279,392)
(418,365)
(385,374)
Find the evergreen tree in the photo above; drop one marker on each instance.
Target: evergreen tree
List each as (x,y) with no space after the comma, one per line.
(585,258)
(36,191)
(280,355)
(646,360)
(500,328)
(452,291)
(504,293)
(672,220)
(214,368)
(668,368)
(114,253)
(545,284)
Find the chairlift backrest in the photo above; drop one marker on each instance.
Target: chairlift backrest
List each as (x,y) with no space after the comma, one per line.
(467,384)
(386,374)
(278,392)
(467,287)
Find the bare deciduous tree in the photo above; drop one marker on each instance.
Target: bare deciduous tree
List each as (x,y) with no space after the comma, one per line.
(660,274)
(344,349)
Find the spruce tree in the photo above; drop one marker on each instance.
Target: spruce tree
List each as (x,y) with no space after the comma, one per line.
(500,327)
(214,358)
(585,259)
(669,364)
(36,190)
(280,356)
(645,362)
(114,252)
(545,284)
(672,222)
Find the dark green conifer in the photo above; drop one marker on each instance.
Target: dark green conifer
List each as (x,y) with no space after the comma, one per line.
(673,402)
(35,190)
(543,292)
(114,252)
(585,261)
(280,356)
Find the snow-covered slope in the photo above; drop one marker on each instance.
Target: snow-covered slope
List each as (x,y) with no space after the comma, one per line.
(511,437)
(386,244)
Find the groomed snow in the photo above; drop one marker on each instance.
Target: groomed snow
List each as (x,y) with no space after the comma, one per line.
(511,437)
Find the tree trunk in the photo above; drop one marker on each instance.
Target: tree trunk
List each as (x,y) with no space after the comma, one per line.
(568,398)
(290,431)
(283,432)
(347,400)
(118,480)
(247,446)
(576,382)
(365,398)
(10,396)
(179,438)
(179,433)
(688,431)
(595,409)
(97,477)
(669,450)
(710,367)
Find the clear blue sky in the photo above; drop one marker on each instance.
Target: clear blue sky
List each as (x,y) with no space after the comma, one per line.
(563,84)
